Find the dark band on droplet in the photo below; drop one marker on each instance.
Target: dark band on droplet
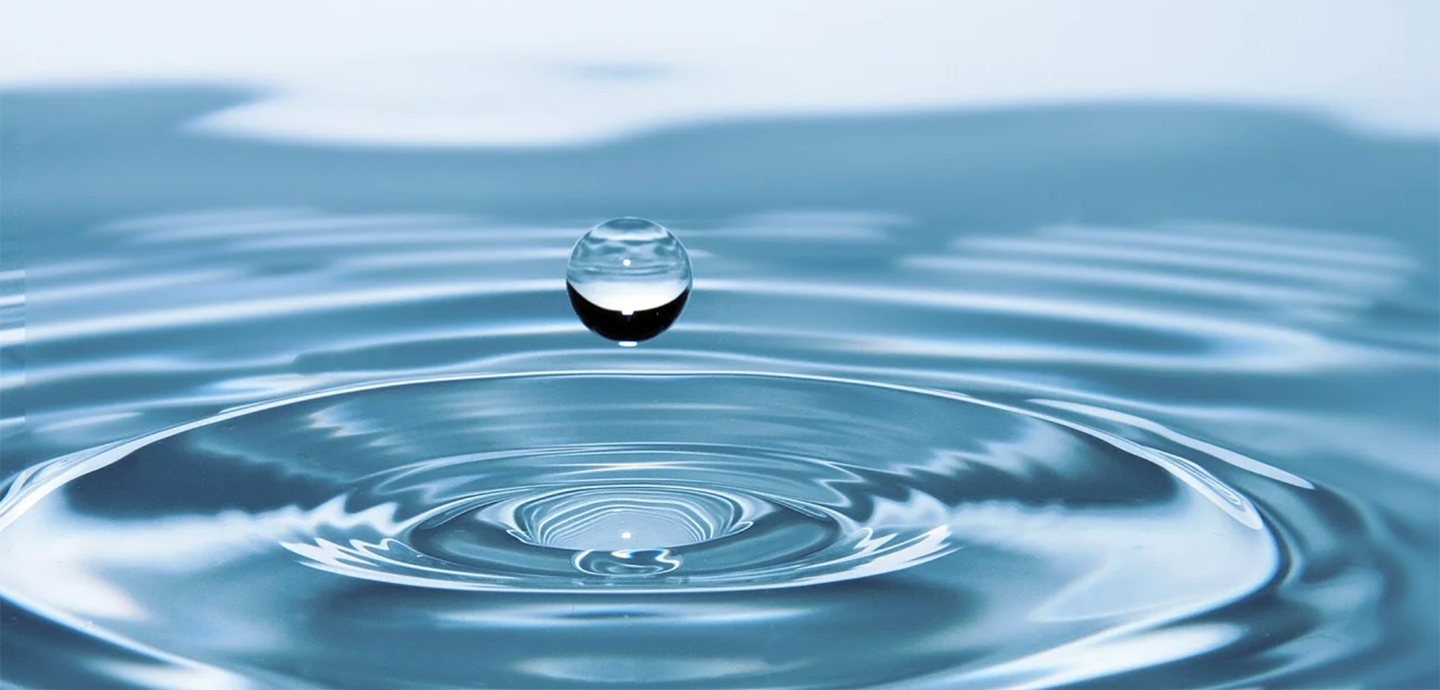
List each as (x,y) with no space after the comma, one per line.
(636,326)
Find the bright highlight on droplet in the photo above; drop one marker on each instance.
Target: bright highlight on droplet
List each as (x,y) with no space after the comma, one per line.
(628,279)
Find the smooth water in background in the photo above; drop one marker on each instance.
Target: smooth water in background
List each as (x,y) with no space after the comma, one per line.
(1104,396)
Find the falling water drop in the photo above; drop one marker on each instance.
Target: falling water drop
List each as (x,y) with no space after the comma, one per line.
(628,279)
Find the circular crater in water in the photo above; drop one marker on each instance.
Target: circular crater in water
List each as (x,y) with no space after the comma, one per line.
(619,482)
(614,518)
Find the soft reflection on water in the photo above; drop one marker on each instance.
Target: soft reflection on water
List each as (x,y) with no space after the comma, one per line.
(1135,396)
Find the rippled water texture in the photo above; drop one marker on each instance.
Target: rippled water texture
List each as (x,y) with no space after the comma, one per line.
(1130,396)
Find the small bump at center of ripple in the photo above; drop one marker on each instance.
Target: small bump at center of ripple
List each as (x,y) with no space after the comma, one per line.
(639,562)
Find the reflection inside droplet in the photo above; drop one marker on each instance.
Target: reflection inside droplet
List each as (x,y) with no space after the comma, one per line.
(628,279)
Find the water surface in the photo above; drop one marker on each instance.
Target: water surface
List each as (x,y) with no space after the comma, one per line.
(1128,395)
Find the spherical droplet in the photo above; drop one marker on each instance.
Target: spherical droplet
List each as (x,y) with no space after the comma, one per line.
(628,279)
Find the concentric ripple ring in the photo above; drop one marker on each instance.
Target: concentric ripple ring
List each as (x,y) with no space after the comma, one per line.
(593,481)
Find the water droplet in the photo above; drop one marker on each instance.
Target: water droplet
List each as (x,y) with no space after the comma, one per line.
(628,279)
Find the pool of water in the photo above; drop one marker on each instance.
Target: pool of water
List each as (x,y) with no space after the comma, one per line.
(1125,395)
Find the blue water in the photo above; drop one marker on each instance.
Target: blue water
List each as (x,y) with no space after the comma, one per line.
(1125,395)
